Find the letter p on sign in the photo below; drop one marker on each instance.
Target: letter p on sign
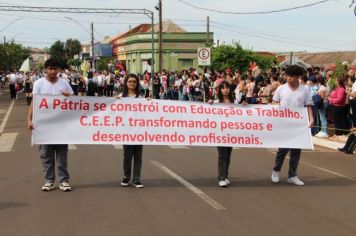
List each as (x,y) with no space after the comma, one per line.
(204,56)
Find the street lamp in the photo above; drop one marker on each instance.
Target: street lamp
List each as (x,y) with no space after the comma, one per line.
(13,21)
(17,19)
(91,34)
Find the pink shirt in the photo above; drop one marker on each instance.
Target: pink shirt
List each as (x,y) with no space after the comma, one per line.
(338,97)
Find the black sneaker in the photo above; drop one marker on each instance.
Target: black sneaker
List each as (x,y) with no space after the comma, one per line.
(137,184)
(341,149)
(125,182)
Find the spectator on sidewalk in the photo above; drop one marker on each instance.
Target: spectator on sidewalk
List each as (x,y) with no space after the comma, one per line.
(338,102)
(12,84)
(323,92)
(350,144)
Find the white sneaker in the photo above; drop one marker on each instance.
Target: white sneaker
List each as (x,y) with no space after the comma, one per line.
(65,187)
(222,183)
(275,176)
(322,135)
(227,181)
(48,187)
(295,180)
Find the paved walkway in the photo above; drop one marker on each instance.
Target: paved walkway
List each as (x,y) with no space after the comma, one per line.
(328,143)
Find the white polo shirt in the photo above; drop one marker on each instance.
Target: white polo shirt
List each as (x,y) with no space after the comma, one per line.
(43,86)
(287,97)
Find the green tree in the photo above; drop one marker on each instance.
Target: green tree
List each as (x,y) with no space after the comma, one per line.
(236,57)
(102,64)
(57,50)
(339,72)
(12,56)
(74,62)
(72,47)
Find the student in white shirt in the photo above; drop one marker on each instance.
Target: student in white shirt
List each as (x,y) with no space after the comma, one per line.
(291,94)
(52,154)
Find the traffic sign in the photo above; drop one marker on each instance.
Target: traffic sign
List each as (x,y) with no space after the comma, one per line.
(204,56)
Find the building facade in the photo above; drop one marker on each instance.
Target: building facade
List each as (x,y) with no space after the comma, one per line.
(133,48)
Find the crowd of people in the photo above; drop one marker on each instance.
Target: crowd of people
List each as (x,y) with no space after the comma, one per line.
(335,104)
(291,86)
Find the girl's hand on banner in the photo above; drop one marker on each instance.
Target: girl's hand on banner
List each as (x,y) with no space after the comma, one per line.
(30,125)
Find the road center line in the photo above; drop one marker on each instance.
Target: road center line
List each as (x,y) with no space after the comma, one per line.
(323,169)
(189,186)
(326,170)
(3,123)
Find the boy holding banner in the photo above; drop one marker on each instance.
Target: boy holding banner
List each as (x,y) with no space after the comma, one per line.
(50,153)
(291,94)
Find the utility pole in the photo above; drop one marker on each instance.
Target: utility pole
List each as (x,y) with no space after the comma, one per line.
(160,56)
(291,58)
(207,31)
(92,45)
(4,40)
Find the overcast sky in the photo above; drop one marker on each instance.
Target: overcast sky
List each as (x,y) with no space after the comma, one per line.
(330,26)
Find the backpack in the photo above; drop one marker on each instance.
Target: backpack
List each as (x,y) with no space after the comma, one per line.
(318,101)
(91,87)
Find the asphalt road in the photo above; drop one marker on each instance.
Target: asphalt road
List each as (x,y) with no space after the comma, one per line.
(181,196)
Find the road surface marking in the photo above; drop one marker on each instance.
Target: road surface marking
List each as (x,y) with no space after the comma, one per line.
(178,147)
(189,186)
(118,147)
(72,147)
(325,170)
(3,123)
(7,141)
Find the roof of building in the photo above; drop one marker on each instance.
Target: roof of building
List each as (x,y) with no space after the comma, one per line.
(37,50)
(325,58)
(168,26)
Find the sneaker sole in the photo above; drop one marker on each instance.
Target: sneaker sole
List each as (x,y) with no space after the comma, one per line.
(65,189)
(124,185)
(137,186)
(47,189)
(295,183)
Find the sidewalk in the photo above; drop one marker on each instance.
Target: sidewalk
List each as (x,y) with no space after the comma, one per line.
(325,142)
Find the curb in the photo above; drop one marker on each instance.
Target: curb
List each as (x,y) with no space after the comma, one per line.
(334,145)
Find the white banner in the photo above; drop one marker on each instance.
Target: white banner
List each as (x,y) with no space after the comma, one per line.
(100,120)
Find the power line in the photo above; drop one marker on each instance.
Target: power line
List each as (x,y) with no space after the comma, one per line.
(276,40)
(254,13)
(273,34)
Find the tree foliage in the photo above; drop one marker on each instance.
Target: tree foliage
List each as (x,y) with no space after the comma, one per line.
(65,51)
(57,50)
(72,47)
(235,57)
(103,63)
(12,56)
(338,73)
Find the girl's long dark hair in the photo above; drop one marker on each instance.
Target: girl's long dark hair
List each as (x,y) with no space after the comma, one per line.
(125,92)
(224,84)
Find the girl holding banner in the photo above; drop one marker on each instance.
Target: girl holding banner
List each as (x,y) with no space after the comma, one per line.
(132,89)
(224,95)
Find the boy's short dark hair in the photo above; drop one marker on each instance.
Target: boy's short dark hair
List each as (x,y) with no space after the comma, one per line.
(53,62)
(294,71)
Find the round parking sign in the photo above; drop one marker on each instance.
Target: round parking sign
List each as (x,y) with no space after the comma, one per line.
(204,54)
